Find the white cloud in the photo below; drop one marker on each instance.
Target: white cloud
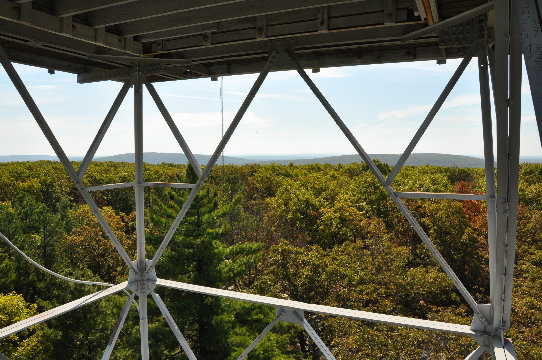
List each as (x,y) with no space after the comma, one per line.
(404,113)
(456,102)
(462,100)
(525,88)
(190,97)
(528,119)
(264,95)
(332,73)
(43,87)
(214,119)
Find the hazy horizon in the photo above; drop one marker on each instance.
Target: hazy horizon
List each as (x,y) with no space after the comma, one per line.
(285,119)
(263,156)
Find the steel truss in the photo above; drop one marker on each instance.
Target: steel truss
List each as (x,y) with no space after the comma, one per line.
(490,321)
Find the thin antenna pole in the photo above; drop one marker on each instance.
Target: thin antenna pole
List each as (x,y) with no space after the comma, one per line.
(222,116)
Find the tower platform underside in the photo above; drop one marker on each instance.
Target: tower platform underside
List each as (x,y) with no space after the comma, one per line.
(140,42)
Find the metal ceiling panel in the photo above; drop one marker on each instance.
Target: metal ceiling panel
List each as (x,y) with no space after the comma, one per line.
(217,37)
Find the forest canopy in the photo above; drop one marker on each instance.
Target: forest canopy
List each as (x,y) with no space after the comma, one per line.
(319,233)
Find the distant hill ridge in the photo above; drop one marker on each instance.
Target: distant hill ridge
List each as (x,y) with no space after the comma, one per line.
(416,159)
(178,158)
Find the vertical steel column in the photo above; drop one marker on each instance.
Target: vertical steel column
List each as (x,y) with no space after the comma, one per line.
(143,325)
(140,210)
(500,91)
(487,121)
(513,170)
(139,188)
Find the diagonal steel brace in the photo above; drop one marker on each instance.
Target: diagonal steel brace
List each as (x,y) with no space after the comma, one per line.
(212,161)
(391,192)
(30,103)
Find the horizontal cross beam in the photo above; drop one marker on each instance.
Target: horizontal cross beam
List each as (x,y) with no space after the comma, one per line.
(322,309)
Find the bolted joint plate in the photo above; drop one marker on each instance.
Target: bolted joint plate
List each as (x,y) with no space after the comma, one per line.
(479,327)
(457,35)
(142,283)
(289,315)
(463,34)
(282,49)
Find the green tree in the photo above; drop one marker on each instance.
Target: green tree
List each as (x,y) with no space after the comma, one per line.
(33,343)
(197,255)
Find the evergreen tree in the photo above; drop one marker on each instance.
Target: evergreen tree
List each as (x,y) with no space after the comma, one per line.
(197,255)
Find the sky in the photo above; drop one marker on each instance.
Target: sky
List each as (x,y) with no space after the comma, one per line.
(382,104)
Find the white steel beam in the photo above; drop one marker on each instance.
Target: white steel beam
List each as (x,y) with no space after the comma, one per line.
(212,161)
(59,310)
(110,186)
(103,130)
(176,331)
(145,183)
(40,120)
(391,193)
(322,309)
(168,185)
(118,327)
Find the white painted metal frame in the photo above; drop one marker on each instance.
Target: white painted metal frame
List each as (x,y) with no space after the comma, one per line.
(118,327)
(487,329)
